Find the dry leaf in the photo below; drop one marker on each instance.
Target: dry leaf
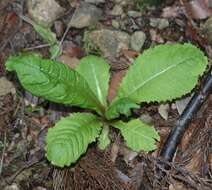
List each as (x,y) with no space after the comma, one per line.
(74,52)
(72,62)
(199,9)
(115,80)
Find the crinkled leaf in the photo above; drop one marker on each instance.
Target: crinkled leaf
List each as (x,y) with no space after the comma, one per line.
(163,73)
(104,140)
(70,137)
(96,72)
(121,106)
(53,81)
(138,135)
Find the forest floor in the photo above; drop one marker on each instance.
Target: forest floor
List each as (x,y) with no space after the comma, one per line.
(25,119)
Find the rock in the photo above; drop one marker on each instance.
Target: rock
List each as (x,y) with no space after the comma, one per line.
(12,187)
(134,14)
(159,23)
(123,2)
(137,40)
(6,87)
(39,188)
(115,24)
(95,1)
(146,118)
(85,15)
(110,42)
(207,30)
(44,12)
(163,111)
(117,10)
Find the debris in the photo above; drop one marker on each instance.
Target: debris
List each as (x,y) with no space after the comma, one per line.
(181,104)
(163,111)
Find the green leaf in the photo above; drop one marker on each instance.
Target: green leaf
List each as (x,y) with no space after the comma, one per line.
(104,139)
(70,137)
(55,51)
(53,81)
(47,35)
(163,73)
(96,72)
(121,106)
(138,135)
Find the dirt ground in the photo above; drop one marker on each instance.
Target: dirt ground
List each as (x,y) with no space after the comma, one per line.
(25,119)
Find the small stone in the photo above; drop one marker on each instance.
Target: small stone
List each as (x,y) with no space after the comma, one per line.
(123,2)
(12,187)
(110,42)
(39,188)
(95,1)
(85,15)
(44,12)
(134,14)
(6,87)
(115,24)
(163,111)
(117,10)
(159,23)
(137,40)
(146,118)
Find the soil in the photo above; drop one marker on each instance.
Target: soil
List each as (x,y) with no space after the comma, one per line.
(24,119)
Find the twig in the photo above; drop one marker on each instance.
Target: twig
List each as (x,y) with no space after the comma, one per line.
(38,47)
(11,180)
(3,152)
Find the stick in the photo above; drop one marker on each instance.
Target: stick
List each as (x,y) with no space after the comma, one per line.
(185,118)
(3,151)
